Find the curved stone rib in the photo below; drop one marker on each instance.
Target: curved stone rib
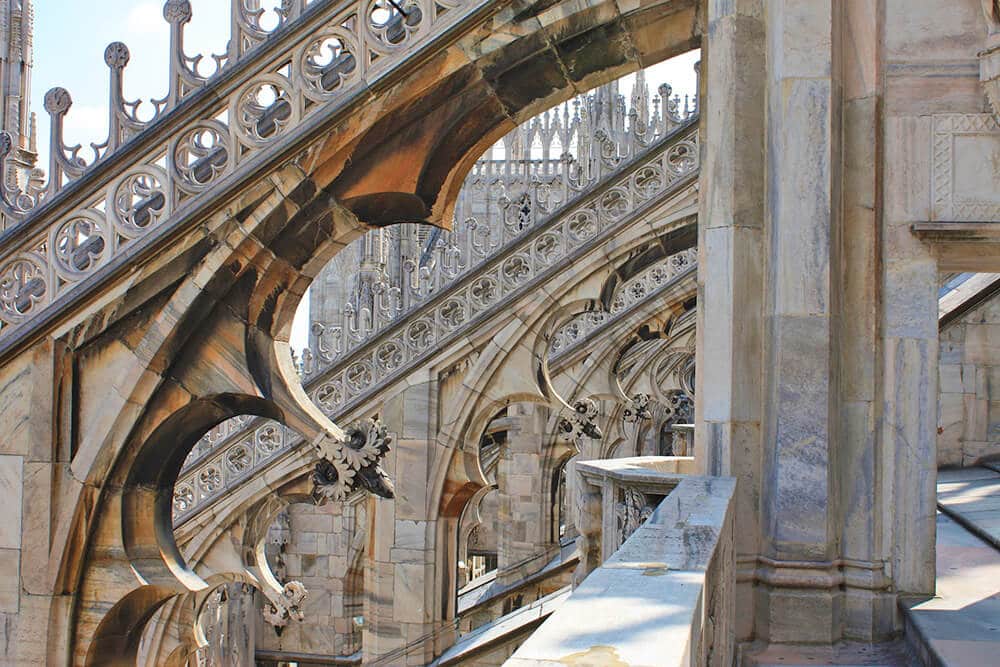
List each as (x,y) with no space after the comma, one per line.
(573,230)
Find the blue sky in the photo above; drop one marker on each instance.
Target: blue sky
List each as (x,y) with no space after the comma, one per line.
(70,37)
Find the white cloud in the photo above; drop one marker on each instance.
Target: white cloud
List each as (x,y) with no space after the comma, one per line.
(145,18)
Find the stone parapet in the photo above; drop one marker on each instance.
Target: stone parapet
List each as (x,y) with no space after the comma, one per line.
(665,597)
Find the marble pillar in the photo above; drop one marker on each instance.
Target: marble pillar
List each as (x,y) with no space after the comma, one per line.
(731,241)
(816,329)
(400,576)
(798,501)
(522,539)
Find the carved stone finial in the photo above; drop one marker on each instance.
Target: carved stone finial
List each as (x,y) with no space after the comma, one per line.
(177,11)
(116,55)
(58,101)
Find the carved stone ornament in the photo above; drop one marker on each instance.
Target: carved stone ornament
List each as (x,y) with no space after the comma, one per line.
(636,408)
(680,407)
(632,511)
(288,605)
(346,466)
(582,422)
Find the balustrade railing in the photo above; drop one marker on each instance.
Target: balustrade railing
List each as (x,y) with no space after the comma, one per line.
(94,209)
(632,291)
(229,454)
(360,33)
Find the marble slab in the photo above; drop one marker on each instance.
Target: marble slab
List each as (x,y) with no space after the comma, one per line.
(644,605)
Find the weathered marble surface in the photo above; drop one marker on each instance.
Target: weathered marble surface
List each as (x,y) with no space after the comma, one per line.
(649,604)
(958,626)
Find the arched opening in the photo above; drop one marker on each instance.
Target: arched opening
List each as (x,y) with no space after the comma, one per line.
(559,504)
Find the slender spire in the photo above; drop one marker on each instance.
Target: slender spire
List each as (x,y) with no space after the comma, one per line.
(16,32)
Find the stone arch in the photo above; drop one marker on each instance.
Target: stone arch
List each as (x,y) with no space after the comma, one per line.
(148,490)
(116,638)
(474,93)
(470,521)
(473,100)
(460,492)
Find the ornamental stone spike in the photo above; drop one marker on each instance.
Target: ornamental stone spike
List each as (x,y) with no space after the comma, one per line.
(177,11)
(116,57)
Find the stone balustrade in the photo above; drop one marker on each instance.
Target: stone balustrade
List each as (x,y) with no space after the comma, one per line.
(95,216)
(664,594)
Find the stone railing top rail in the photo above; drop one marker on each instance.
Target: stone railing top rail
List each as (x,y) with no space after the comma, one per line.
(666,470)
(645,604)
(163,176)
(485,590)
(255,444)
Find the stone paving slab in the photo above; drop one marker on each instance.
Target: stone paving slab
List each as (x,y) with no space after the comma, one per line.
(960,626)
(971,496)
(848,654)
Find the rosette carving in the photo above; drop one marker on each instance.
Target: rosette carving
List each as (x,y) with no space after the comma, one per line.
(353,464)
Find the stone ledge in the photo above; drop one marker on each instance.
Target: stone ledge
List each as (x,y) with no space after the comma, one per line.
(958,232)
(650,603)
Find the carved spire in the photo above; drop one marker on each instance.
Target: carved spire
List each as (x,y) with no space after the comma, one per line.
(16,27)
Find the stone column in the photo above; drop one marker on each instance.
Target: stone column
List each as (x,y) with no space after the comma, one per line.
(868,608)
(789,334)
(798,503)
(400,576)
(731,243)
(521,537)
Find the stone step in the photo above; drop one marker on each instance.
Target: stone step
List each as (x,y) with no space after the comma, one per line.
(847,654)
(960,625)
(971,496)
